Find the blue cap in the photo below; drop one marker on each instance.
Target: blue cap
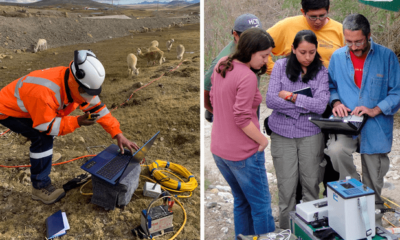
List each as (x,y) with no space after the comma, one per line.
(246,21)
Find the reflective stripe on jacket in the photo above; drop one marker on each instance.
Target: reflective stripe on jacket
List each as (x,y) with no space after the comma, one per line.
(105,119)
(41,96)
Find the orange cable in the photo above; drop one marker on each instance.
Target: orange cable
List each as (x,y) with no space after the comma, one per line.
(383,217)
(54,164)
(4,132)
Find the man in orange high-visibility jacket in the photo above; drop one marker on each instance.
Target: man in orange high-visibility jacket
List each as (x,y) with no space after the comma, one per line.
(37,106)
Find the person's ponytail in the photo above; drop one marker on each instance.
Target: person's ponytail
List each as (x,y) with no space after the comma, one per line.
(224,66)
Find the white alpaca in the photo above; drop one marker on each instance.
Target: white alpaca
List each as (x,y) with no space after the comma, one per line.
(169,44)
(145,29)
(41,45)
(154,43)
(152,56)
(132,60)
(180,50)
(152,49)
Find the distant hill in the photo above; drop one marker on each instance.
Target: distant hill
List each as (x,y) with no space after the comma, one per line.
(153,2)
(193,5)
(46,3)
(180,3)
(174,2)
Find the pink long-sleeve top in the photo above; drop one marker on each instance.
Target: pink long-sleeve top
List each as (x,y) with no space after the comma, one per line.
(235,99)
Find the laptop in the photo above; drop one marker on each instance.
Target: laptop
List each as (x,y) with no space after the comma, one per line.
(349,125)
(112,166)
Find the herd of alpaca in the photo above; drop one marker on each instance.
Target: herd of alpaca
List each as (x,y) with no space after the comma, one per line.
(152,55)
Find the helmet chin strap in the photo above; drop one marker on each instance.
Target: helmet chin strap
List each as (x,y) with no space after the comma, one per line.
(67,90)
(87,97)
(74,89)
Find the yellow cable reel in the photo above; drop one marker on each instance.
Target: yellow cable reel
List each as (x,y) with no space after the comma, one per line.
(171,183)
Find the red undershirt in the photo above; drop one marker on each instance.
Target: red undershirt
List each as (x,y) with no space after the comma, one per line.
(358,64)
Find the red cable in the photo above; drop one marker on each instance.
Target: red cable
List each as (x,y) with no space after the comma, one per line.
(4,132)
(54,164)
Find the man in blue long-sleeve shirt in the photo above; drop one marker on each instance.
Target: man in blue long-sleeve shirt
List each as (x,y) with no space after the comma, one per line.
(364,79)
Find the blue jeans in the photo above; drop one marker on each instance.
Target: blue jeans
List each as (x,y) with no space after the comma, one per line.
(252,200)
(41,150)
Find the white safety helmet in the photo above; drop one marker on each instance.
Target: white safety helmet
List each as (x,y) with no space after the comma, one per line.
(88,71)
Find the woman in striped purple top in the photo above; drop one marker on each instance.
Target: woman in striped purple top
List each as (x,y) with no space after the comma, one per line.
(297,144)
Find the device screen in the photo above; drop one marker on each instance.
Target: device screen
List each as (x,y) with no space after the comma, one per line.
(347,185)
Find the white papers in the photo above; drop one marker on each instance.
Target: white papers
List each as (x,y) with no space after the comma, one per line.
(349,118)
(353,118)
(66,226)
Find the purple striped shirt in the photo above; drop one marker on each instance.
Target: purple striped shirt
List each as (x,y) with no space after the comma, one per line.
(291,119)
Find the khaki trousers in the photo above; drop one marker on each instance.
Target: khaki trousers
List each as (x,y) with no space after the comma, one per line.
(293,158)
(374,166)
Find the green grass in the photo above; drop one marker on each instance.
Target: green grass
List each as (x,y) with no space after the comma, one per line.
(342,8)
(291,4)
(219,31)
(321,190)
(206,183)
(264,81)
(275,197)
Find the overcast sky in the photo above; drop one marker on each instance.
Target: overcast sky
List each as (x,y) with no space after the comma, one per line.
(103,1)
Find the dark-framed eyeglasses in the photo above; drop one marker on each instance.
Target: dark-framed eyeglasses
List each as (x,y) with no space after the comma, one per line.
(357,44)
(320,17)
